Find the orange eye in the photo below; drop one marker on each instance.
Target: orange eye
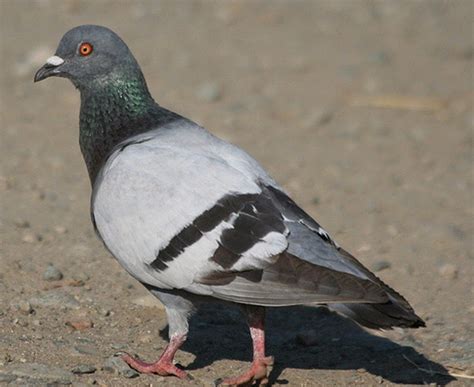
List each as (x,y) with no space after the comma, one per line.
(85,49)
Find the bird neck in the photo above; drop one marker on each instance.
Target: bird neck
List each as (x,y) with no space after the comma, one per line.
(113,110)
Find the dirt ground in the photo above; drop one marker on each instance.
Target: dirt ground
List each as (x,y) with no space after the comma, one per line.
(362,110)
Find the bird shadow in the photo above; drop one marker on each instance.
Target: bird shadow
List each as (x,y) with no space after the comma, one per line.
(307,338)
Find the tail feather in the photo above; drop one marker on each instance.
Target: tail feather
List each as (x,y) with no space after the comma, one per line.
(379,316)
(397,312)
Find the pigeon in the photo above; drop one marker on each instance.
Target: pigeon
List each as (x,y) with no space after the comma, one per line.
(195,219)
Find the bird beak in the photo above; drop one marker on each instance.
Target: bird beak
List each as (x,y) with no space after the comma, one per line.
(49,69)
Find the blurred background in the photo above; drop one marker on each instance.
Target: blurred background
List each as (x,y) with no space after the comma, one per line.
(362,110)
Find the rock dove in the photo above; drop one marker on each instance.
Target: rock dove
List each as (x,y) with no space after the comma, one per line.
(196,219)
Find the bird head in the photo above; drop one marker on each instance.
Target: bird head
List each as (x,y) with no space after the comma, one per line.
(86,54)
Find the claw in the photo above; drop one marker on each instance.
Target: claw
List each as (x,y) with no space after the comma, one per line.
(256,373)
(161,367)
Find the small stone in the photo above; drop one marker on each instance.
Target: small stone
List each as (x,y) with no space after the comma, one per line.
(208,92)
(449,271)
(24,307)
(84,369)
(81,276)
(118,346)
(7,358)
(130,373)
(80,324)
(60,229)
(116,365)
(146,338)
(54,299)
(52,273)
(31,237)
(105,312)
(22,223)
(308,338)
(381,265)
(364,248)
(317,118)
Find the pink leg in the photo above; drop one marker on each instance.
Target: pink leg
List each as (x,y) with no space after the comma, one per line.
(258,369)
(164,366)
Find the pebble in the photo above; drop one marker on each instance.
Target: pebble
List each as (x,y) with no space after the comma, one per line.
(52,273)
(116,365)
(118,346)
(54,299)
(60,229)
(317,118)
(80,324)
(308,338)
(209,92)
(80,276)
(24,307)
(36,373)
(22,323)
(22,223)
(449,271)
(84,369)
(105,312)
(381,265)
(146,338)
(31,237)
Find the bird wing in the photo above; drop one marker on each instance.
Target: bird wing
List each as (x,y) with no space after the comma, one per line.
(182,209)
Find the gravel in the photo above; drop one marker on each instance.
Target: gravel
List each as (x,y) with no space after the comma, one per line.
(52,273)
(56,298)
(24,307)
(36,373)
(84,369)
(449,271)
(380,265)
(116,365)
(31,237)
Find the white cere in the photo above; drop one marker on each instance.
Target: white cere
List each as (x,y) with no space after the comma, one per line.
(55,61)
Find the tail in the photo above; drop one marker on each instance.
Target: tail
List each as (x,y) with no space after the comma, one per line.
(397,312)
(379,316)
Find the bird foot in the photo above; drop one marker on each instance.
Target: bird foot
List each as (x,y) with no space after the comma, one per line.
(160,367)
(256,373)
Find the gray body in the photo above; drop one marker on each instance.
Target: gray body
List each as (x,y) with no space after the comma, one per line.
(151,189)
(194,218)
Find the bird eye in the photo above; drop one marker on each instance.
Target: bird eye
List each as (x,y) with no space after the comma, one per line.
(85,49)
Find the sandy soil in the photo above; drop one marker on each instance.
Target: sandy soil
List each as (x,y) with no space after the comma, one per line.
(362,110)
